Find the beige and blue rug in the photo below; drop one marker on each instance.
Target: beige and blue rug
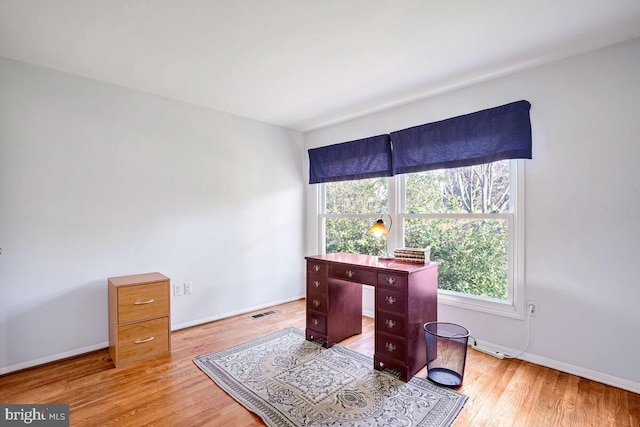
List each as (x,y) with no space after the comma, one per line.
(289,381)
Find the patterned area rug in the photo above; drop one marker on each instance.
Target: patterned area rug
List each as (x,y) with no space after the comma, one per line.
(289,381)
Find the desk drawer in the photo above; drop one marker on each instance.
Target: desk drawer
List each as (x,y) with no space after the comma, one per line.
(317,322)
(142,302)
(390,346)
(142,339)
(317,302)
(317,267)
(390,323)
(316,284)
(352,274)
(390,300)
(395,281)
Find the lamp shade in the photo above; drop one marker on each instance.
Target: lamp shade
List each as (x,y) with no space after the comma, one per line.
(378,229)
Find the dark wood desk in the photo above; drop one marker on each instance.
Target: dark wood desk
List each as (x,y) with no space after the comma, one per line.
(406,297)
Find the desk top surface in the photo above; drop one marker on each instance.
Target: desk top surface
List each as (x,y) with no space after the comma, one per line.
(372,262)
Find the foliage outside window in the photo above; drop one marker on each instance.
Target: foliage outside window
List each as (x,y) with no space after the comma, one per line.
(350,209)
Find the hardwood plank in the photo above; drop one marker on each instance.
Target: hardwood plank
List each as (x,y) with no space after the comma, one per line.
(634,408)
(170,390)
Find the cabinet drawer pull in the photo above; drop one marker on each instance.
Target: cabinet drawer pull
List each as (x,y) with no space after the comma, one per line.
(350,274)
(316,303)
(390,300)
(144,302)
(391,280)
(390,323)
(316,267)
(143,341)
(316,283)
(315,321)
(390,347)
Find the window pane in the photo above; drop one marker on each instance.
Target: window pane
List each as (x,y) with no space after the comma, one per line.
(356,197)
(350,235)
(475,189)
(472,253)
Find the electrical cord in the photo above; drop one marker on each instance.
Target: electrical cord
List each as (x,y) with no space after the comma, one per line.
(500,355)
(526,347)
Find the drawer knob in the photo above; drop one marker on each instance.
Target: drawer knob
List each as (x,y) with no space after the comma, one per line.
(390,300)
(390,323)
(316,267)
(317,283)
(316,303)
(144,302)
(350,274)
(143,341)
(391,280)
(390,347)
(315,321)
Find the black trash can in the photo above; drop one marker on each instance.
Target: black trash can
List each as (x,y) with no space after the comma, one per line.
(446,352)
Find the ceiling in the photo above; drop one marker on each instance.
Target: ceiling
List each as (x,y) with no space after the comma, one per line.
(304,64)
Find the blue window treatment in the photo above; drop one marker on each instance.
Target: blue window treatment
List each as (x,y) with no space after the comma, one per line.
(363,158)
(485,136)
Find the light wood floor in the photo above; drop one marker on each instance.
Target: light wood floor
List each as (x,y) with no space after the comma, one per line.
(172,391)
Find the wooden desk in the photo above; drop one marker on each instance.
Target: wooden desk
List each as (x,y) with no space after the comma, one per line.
(406,297)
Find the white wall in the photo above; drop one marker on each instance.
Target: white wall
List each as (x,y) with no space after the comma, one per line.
(582,202)
(99,181)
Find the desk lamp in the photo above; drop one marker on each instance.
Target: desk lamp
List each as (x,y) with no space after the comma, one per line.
(378,230)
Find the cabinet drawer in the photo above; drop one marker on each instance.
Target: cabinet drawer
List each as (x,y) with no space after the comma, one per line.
(316,284)
(390,300)
(317,302)
(317,322)
(392,280)
(390,346)
(389,323)
(143,339)
(352,274)
(142,302)
(317,268)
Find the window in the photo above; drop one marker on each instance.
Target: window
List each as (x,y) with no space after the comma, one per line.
(463,215)
(468,216)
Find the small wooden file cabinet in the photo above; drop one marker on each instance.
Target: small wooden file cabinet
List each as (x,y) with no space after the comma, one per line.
(139,317)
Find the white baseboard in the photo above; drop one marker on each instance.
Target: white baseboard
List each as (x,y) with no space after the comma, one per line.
(232,313)
(53,358)
(589,374)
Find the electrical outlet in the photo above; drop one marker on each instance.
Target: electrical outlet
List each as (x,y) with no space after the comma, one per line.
(177,289)
(532,308)
(188,288)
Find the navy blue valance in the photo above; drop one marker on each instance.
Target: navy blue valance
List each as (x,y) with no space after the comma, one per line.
(363,158)
(485,136)
(482,137)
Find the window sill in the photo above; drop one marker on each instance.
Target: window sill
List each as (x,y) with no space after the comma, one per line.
(485,305)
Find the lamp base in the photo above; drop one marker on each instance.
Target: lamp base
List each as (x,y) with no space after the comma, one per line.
(386,257)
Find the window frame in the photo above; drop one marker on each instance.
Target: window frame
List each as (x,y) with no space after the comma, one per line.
(514,305)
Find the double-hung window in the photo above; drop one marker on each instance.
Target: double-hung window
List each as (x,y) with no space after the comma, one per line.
(469,217)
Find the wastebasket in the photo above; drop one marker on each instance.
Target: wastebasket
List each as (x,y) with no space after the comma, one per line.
(446,352)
